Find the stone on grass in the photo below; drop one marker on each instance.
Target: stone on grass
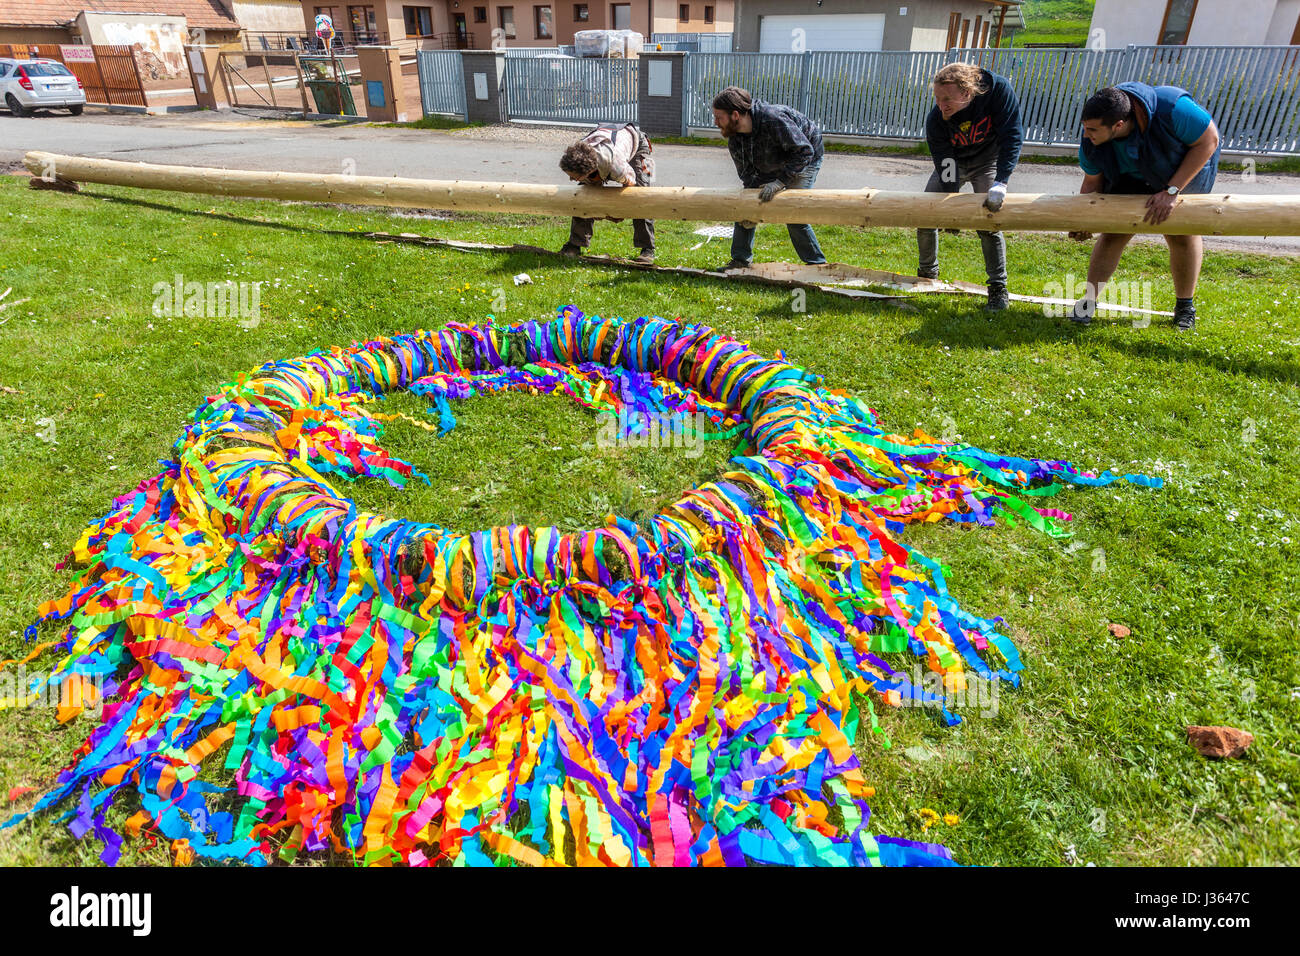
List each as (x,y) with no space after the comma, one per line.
(1219,742)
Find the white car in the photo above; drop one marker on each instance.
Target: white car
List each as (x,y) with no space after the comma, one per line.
(27,85)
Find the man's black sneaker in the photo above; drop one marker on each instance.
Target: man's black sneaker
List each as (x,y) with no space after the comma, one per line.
(733,264)
(1082,311)
(1184,317)
(927,273)
(570,250)
(999,300)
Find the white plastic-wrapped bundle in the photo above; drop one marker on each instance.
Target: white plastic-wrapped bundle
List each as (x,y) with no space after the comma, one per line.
(633,43)
(608,43)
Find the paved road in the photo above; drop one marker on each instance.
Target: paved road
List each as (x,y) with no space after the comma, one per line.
(494,154)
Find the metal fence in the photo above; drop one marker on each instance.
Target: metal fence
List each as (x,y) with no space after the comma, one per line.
(442,82)
(1252,92)
(691,42)
(594,90)
(563,49)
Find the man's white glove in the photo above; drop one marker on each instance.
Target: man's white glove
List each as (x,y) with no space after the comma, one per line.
(997,195)
(768,190)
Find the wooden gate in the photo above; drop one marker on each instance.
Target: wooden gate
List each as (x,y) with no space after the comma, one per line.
(111,78)
(119,77)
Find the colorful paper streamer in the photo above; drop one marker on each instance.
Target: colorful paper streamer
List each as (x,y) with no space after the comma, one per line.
(683,691)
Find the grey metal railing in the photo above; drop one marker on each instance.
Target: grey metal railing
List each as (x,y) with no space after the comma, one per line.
(1253,93)
(582,89)
(564,49)
(691,42)
(442,82)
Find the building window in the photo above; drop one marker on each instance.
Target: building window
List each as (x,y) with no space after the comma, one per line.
(480,14)
(580,13)
(708,14)
(543,25)
(506,20)
(1178,22)
(418,20)
(362,22)
(683,13)
(621,16)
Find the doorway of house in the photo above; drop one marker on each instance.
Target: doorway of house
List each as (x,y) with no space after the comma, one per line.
(462,31)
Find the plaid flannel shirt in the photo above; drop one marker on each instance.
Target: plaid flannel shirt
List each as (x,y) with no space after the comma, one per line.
(784,142)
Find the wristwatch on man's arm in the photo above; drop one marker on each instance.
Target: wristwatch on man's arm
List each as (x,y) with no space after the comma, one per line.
(1172,190)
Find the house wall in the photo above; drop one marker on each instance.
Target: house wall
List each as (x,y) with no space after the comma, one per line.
(1240,21)
(928,28)
(268,16)
(1215,23)
(923,27)
(1283,25)
(648,16)
(667,17)
(28,35)
(1126,21)
(161,39)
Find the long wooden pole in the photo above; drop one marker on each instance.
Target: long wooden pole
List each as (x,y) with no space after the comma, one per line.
(1221,214)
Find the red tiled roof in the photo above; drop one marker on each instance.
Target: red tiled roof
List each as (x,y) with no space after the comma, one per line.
(208,14)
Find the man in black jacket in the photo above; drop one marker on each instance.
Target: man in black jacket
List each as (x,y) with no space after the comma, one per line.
(975,136)
(774,147)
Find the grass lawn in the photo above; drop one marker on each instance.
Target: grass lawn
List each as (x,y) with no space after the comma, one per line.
(1086,762)
(1064,22)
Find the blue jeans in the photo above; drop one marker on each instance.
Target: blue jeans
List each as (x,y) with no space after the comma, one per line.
(801,235)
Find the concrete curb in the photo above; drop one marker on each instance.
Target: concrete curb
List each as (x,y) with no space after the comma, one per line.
(141,110)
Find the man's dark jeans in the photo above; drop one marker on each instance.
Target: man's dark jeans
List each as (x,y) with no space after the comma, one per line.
(801,235)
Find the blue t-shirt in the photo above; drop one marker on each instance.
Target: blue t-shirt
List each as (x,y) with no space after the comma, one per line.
(1189,121)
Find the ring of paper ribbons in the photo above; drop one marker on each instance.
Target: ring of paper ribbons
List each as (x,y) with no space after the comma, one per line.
(687,690)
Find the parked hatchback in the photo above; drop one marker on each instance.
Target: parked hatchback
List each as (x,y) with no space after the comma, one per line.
(27,85)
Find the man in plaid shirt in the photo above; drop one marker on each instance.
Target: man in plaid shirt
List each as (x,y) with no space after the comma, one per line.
(774,147)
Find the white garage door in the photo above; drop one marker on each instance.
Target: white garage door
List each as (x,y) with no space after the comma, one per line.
(846,31)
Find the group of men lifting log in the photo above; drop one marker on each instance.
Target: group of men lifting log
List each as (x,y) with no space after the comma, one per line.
(1137,139)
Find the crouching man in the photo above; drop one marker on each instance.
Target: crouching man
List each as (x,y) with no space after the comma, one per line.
(1154,141)
(620,156)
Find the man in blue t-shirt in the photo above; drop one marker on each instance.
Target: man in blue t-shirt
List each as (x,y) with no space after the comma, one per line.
(1153,141)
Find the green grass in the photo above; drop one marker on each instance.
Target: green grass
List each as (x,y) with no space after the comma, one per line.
(1063,22)
(432,121)
(1285,164)
(1202,570)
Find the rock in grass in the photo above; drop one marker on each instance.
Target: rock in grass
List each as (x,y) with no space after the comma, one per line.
(1219,742)
(1119,630)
